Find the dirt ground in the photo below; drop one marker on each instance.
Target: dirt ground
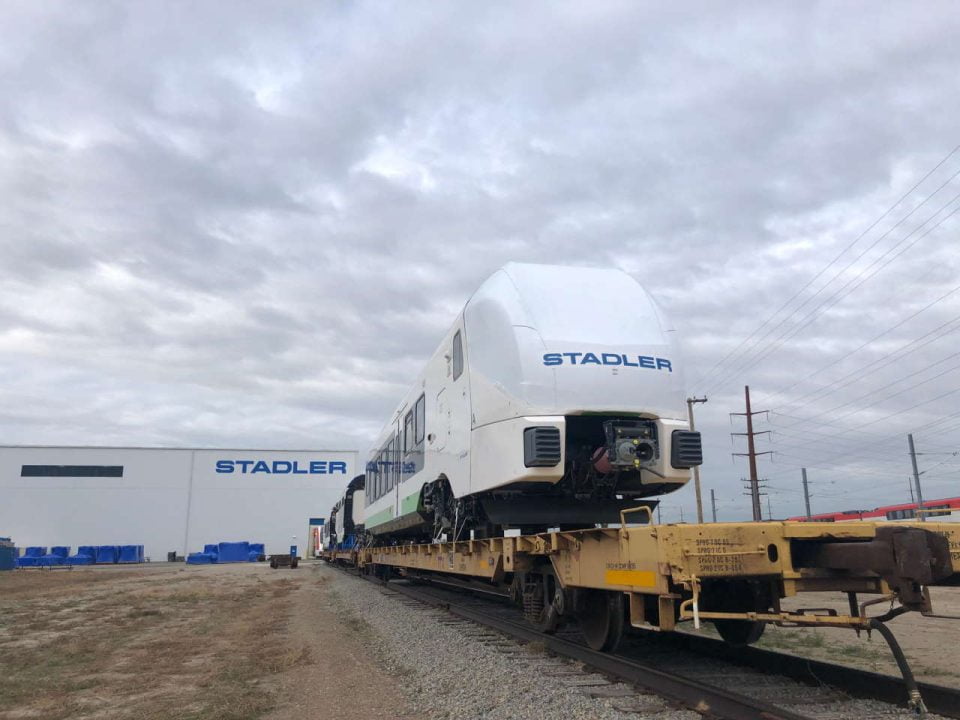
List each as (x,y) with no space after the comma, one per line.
(228,642)
(241,642)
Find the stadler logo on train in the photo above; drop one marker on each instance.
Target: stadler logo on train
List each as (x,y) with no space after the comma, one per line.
(282,467)
(589,358)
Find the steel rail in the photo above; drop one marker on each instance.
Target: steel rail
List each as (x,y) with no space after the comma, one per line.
(856,682)
(864,684)
(706,699)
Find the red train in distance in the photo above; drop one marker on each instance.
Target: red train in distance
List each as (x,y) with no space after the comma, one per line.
(946,510)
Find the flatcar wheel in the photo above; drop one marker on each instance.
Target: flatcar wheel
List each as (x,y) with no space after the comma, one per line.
(542,601)
(739,633)
(602,619)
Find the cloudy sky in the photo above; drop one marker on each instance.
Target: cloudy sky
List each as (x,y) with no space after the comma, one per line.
(249,224)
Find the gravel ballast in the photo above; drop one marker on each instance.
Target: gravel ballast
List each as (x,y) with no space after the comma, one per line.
(457,670)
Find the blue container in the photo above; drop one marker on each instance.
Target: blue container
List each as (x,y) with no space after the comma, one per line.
(140,553)
(107,554)
(60,550)
(200,559)
(233,552)
(8,554)
(89,550)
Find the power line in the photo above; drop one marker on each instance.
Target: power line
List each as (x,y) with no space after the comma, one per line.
(870,341)
(949,370)
(860,373)
(829,265)
(871,439)
(905,410)
(839,295)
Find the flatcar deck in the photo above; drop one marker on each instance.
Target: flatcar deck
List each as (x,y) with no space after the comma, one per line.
(666,560)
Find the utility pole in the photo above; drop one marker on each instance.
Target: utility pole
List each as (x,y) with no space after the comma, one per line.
(658,514)
(691,401)
(916,478)
(910,488)
(713,504)
(681,513)
(751,454)
(769,509)
(806,491)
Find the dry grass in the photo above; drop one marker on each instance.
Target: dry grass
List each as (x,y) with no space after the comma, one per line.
(197,646)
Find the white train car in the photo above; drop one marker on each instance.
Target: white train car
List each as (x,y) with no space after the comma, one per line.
(327,533)
(555,400)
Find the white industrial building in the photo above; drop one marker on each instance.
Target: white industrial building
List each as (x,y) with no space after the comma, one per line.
(167,499)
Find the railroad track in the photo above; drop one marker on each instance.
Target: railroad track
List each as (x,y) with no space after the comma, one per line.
(698,673)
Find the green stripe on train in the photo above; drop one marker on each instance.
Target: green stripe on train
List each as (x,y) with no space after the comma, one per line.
(379,518)
(409,503)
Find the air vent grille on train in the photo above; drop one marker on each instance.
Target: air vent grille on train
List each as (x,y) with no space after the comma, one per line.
(541,446)
(686,450)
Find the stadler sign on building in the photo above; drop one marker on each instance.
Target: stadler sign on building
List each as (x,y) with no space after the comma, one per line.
(167,499)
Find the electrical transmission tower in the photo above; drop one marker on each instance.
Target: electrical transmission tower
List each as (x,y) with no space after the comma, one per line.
(751,454)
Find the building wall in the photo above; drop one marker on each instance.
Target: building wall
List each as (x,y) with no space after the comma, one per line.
(170,499)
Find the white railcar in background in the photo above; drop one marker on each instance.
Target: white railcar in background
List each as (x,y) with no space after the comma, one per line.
(555,400)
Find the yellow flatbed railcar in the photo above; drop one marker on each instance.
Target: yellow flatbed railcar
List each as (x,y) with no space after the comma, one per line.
(733,574)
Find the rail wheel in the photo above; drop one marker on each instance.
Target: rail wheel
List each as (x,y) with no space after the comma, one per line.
(544,602)
(738,596)
(739,633)
(601,619)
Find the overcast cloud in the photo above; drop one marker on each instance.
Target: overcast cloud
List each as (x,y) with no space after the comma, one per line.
(250,224)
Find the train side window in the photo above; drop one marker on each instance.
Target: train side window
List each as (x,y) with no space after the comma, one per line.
(397,459)
(383,475)
(390,464)
(408,441)
(420,421)
(394,453)
(397,449)
(457,356)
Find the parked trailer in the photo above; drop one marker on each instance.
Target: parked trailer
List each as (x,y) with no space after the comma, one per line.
(734,575)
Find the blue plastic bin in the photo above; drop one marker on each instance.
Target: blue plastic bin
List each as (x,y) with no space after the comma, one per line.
(228,552)
(8,554)
(107,554)
(129,554)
